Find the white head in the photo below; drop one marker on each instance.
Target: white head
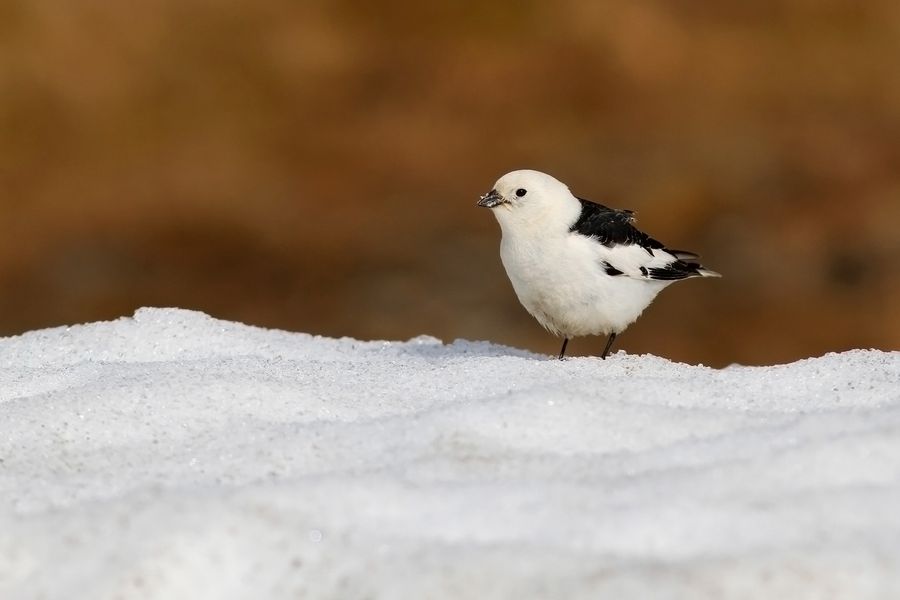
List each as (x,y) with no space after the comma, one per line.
(531,199)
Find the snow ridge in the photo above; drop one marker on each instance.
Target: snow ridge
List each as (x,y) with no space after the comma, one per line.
(173,455)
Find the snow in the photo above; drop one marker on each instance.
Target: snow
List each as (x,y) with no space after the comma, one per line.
(172,455)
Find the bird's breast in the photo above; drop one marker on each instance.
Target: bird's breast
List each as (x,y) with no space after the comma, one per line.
(562,283)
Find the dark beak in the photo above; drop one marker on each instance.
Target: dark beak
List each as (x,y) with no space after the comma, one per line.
(491,199)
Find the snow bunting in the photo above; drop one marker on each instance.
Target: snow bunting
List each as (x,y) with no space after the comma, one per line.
(578,267)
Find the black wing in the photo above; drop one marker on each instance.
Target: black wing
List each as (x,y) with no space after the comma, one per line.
(612,227)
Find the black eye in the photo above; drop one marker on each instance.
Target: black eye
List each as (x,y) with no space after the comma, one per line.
(521,192)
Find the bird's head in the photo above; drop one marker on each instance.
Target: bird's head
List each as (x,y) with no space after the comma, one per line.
(528,197)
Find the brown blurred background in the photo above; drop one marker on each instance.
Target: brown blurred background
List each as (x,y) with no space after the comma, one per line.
(314,166)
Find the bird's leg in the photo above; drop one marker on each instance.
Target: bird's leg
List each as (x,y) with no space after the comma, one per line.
(562,351)
(609,343)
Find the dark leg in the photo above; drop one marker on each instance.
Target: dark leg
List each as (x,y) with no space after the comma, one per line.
(562,351)
(609,342)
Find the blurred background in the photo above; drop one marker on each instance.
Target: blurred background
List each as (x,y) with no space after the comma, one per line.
(314,166)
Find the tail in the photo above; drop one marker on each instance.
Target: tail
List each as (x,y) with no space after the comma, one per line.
(690,258)
(704,272)
(676,270)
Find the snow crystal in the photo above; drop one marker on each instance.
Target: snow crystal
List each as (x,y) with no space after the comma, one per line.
(173,455)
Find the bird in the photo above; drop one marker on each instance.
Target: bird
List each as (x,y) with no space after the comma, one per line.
(578,267)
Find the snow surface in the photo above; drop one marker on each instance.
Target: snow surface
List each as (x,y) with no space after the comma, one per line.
(171,455)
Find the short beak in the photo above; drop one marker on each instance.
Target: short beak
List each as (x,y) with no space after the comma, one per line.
(491,199)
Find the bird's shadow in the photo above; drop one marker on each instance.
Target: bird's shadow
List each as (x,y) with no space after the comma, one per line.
(432,348)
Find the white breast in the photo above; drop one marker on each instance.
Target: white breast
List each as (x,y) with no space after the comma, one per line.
(561,281)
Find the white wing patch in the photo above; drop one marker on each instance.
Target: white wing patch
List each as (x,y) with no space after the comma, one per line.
(634,261)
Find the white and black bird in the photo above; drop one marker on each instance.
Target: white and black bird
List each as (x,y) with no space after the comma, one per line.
(579,267)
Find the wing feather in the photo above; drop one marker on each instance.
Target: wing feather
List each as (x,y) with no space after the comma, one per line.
(626,250)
